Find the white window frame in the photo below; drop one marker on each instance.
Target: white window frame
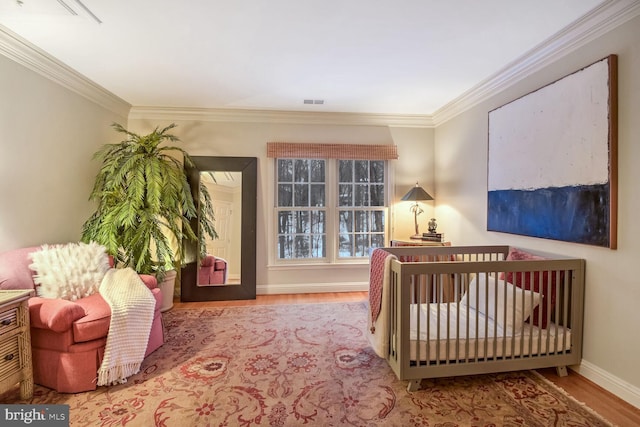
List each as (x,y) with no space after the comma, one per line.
(332,216)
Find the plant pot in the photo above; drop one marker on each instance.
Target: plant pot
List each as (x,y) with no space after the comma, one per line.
(166,287)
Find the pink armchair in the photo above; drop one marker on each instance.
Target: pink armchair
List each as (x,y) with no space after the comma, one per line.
(213,271)
(68,338)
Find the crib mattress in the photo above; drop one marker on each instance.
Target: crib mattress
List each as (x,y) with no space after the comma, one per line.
(461,334)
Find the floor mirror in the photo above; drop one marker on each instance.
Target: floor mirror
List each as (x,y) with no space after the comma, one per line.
(228,270)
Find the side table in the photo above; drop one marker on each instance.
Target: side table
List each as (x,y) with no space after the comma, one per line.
(15,342)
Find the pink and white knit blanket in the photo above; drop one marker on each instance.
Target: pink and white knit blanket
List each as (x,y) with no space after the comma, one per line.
(378,318)
(376,277)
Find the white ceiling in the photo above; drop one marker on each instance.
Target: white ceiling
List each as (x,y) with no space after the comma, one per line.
(360,56)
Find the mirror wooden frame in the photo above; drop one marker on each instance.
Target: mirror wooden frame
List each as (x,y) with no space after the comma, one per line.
(189,290)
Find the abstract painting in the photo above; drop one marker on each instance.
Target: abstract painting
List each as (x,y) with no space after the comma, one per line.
(552,160)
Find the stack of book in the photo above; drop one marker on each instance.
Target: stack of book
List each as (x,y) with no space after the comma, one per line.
(433,237)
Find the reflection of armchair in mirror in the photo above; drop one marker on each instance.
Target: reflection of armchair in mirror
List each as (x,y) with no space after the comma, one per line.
(213,271)
(228,270)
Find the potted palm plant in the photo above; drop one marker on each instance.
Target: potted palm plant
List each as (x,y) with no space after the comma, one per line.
(145,204)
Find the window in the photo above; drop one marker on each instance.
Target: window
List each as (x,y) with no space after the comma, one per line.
(361,206)
(301,208)
(330,209)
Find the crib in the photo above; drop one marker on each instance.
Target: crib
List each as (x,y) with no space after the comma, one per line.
(473,309)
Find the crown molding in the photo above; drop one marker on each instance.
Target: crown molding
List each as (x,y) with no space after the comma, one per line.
(30,56)
(277,116)
(599,21)
(594,24)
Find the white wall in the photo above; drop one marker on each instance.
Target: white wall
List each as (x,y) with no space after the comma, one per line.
(213,138)
(611,345)
(48,135)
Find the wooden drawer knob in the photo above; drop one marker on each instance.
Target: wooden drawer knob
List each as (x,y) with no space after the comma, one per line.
(6,322)
(8,357)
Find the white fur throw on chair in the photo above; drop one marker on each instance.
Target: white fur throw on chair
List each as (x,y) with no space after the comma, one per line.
(71,271)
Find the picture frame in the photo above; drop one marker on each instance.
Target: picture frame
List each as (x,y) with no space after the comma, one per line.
(552,160)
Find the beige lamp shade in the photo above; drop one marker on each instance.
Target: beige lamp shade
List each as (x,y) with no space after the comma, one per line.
(416,194)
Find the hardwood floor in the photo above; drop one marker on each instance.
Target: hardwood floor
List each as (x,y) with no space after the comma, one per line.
(595,397)
(606,404)
(282,299)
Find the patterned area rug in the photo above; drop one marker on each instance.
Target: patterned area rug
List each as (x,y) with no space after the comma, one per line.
(308,364)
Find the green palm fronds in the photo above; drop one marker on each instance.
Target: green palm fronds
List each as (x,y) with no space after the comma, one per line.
(206,219)
(144,202)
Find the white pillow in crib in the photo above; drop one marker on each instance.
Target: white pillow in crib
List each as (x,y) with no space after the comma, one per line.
(486,301)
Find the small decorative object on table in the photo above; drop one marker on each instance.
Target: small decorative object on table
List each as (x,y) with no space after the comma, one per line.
(432,225)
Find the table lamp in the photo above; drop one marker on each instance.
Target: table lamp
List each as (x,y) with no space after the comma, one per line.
(416,194)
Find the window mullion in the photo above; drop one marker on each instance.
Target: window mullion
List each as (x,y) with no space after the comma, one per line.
(331,203)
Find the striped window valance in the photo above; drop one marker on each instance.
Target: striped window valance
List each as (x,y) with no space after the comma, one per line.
(331,151)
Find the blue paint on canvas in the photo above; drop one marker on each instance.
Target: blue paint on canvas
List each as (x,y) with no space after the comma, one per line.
(574,214)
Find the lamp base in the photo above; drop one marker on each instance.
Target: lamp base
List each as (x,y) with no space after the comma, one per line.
(416,237)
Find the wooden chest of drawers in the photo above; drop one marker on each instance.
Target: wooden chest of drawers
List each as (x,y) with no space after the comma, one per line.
(15,342)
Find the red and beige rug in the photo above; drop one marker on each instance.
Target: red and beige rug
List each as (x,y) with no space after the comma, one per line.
(310,364)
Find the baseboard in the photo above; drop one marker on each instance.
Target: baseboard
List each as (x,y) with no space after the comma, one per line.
(622,389)
(311,288)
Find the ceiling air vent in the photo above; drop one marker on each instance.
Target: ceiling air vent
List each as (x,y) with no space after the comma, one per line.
(314,101)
